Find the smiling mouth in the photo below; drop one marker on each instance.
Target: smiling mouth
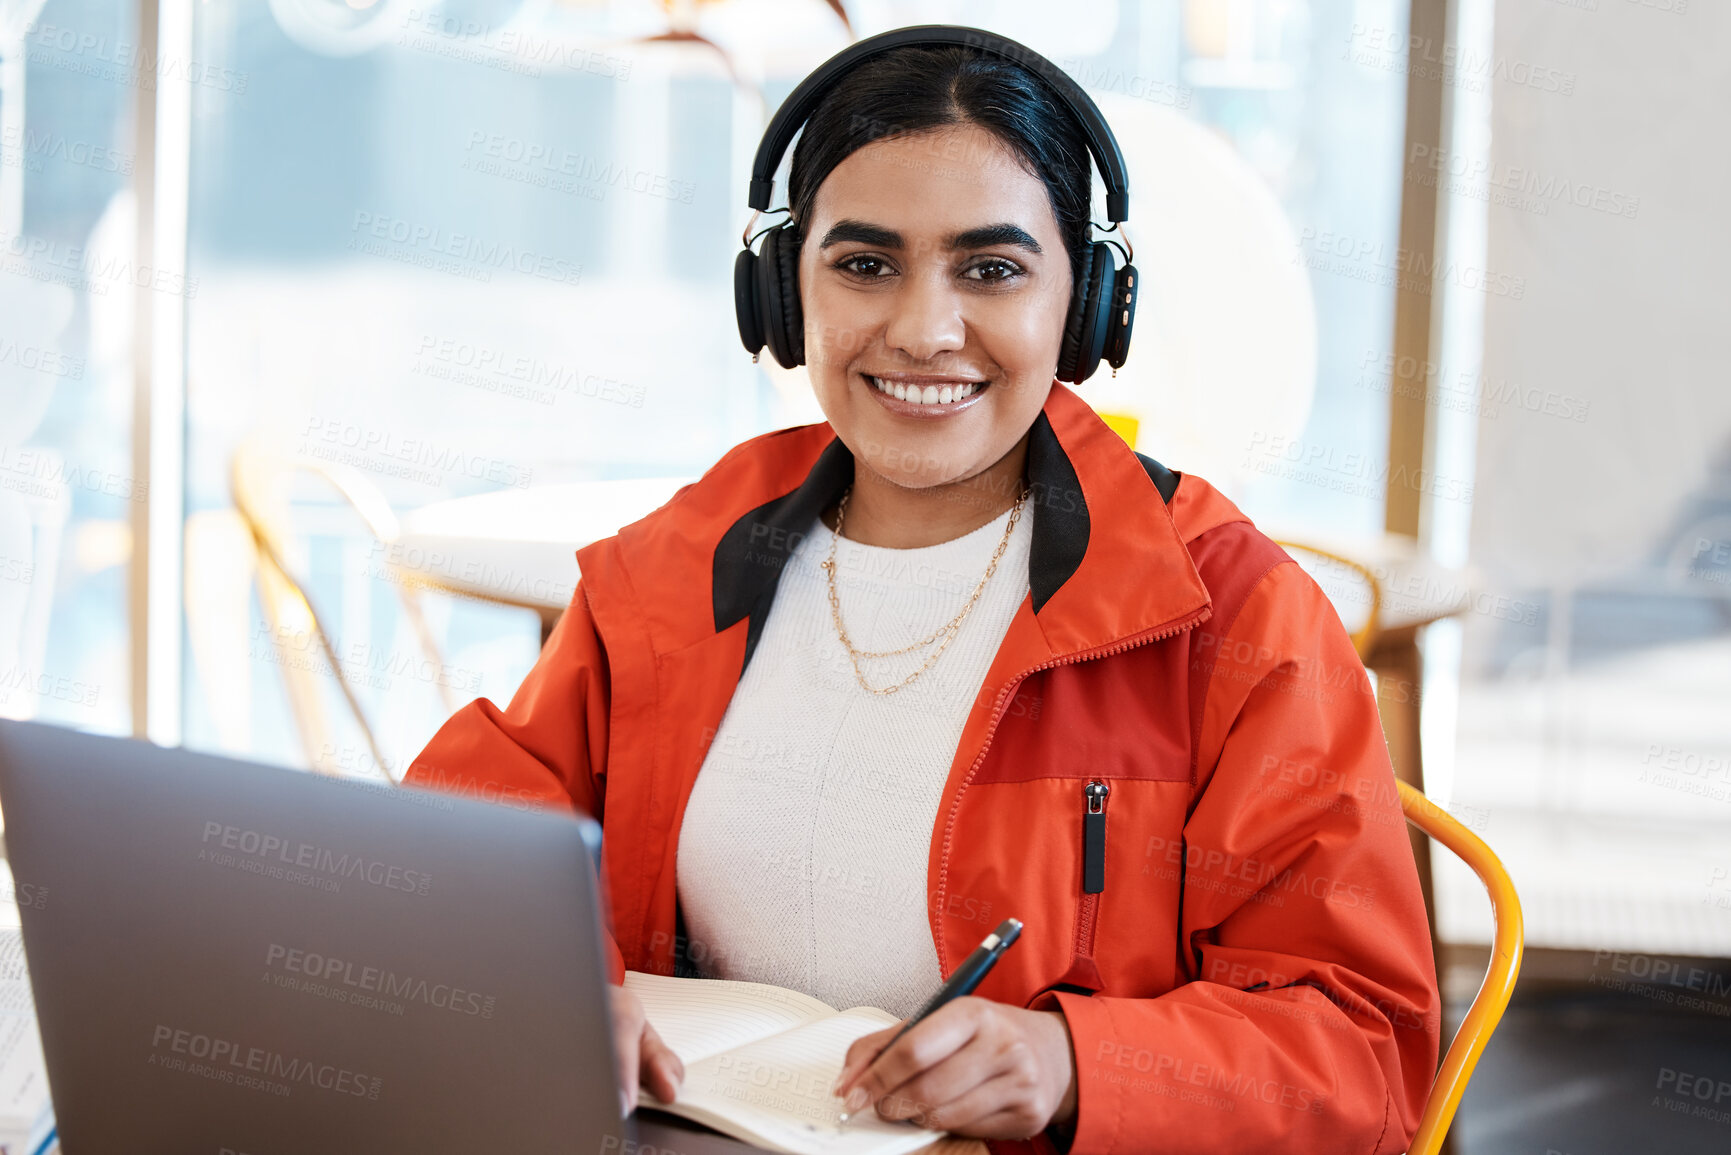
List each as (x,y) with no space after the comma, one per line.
(929,394)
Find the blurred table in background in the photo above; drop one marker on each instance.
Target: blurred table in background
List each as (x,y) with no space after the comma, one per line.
(517,546)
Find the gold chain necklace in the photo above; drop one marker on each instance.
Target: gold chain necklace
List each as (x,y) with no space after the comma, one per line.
(947,631)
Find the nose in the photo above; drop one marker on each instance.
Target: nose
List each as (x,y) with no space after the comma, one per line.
(926,317)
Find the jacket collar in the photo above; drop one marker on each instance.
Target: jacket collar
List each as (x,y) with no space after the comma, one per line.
(1106,561)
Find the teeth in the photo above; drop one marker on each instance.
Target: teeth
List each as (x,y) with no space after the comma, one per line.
(930,395)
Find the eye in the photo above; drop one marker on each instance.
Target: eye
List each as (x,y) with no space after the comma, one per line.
(846,264)
(1008,270)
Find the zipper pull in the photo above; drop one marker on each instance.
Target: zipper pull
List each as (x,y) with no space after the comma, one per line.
(1094,838)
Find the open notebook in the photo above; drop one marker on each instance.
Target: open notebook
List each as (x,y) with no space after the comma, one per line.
(760,1061)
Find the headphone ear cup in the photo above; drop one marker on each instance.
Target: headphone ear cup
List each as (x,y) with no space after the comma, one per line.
(778,296)
(792,315)
(1069,347)
(1085,326)
(745,302)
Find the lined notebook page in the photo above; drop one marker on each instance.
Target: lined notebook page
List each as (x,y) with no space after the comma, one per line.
(778,1088)
(698,1018)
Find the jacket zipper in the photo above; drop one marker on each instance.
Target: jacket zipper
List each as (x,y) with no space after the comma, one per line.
(1094,796)
(1084,925)
(1094,836)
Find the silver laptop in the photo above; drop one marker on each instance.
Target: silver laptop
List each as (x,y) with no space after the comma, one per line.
(231,957)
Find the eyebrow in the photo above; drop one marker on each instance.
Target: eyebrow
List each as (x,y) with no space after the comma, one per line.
(983,237)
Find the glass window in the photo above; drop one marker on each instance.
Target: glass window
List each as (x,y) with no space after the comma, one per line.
(69,276)
(434,251)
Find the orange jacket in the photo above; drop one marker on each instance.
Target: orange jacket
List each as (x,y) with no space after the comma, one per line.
(1244,964)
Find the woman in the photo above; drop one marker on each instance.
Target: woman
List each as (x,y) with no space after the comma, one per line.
(843,703)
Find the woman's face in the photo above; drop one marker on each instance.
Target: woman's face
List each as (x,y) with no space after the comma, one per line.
(932,261)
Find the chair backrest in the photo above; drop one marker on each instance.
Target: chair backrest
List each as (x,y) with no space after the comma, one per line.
(1492,999)
(259,478)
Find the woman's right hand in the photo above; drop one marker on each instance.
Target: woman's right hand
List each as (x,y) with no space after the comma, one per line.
(642,1056)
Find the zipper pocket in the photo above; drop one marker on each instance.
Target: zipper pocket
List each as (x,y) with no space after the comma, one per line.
(1094,837)
(1093,866)
(1158,633)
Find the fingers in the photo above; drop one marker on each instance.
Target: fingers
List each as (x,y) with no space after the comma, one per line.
(628,1024)
(930,1041)
(973,1068)
(996,1109)
(933,1096)
(662,1072)
(860,1054)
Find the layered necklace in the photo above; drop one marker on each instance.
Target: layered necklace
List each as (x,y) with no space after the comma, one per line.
(947,631)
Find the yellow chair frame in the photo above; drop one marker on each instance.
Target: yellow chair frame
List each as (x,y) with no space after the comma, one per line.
(1486,1011)
(1508,936)
(257,473)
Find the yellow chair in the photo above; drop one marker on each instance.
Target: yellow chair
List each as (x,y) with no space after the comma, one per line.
(1508,937)
(1492,999)
(259,478)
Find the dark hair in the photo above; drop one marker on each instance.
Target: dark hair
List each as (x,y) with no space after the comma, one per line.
(918,88)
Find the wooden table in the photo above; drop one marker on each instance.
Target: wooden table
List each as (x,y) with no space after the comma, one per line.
(673,1135)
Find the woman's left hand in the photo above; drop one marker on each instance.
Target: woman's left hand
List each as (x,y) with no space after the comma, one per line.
(972,1067)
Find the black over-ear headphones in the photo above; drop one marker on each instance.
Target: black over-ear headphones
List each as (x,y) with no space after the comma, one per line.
(766,284)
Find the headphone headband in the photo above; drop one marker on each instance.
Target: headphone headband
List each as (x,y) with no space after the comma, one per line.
(803,100)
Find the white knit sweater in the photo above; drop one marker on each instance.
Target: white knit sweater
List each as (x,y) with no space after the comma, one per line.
(802,855)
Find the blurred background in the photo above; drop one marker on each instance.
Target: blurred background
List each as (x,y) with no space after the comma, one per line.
(328,328)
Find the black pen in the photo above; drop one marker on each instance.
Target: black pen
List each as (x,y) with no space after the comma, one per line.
(964,978)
